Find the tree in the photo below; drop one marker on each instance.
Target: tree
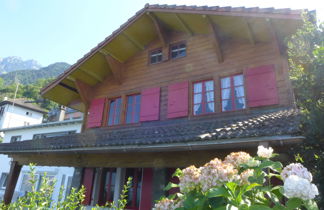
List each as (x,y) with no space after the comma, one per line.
(306,60)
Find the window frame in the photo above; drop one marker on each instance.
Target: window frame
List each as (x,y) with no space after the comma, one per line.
(202,98)
(232,87)
(17,138)
(175,44)
(3,180)
(150,55)
(133,106)
(108,111)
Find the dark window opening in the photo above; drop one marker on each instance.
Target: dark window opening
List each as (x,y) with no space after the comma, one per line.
(15,138)
(156,56)
(178,50)
(107,185)
(134,192)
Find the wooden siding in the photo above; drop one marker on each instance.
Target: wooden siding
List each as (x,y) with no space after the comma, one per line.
(200,63)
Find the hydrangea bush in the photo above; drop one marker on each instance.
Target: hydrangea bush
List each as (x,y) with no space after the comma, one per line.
(241,181)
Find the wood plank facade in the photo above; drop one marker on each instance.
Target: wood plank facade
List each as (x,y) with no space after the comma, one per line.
(166,67)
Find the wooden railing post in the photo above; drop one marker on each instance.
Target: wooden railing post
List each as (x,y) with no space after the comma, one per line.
(15,169)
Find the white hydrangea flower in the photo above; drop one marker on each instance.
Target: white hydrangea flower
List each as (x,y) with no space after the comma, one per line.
(297,187)
(296,169)
(167,204)
(264,152)
(237,158)
(244,176)
(189,180)
(253,162)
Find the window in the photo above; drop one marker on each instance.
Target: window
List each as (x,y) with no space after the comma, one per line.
(178,50)
(107,188)
(15,138)
(26,184)
(203,97)
(3,180)
(2,110)
(156,56)
(114,111)
(26,123)
(134,192)
(29,113)
(54,134)
(133,108)
(233,97)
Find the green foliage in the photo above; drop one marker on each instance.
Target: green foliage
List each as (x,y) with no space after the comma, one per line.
(306,60)
(42,198)
(31,76)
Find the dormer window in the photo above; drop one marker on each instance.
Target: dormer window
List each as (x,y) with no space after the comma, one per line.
(156,56)
(178,50)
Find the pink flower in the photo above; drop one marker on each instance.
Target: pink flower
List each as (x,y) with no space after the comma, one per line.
(189,180)
(237,158)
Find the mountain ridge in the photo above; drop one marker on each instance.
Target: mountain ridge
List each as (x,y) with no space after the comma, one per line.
(14,63)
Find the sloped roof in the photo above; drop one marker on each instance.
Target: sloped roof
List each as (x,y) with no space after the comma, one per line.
(25,103)
(140,30)
(278,125)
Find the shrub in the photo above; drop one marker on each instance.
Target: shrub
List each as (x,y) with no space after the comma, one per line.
(242,182)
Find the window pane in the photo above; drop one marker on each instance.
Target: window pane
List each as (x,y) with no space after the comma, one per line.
(239,92)
(226,82)
(226,93)
(209,85)
(227,105)
(197,109)
(240,103)
(111,112)
(197,87)
(209,107)
(182,53)
(197,98)
(238,80)
(118,111)
(210,96)
(129,113)
(130,100)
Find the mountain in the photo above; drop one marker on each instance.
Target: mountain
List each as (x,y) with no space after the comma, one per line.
(14,63)
(29,76)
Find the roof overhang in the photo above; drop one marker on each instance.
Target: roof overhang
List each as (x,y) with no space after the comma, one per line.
(154,22)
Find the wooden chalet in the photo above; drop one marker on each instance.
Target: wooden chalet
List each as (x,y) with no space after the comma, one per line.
(172,87)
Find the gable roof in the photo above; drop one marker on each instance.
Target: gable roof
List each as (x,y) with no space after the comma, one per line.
(24,103)
(149,24)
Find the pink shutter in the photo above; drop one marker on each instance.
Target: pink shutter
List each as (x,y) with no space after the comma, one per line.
(87,182)
(150,104)
(95,112)
(178,100)
(261,86)
(147,189)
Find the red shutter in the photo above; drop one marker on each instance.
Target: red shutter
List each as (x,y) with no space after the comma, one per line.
(261,86)
(87,182)
(95,112)
(146,194)
(150,104)
(178,100)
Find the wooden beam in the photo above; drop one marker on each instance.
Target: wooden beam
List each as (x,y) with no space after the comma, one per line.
(274,36)
(249,31)
(85,92)
(14,172)
(217,42)
(133,41)
(72,79)
(106,52)
(159,29)
(116,68)
(183,25)
(91,74)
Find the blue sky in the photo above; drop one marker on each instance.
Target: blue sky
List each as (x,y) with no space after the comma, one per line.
(64,30)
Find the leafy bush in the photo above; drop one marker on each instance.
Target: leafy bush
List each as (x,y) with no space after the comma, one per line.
(42,198)
(242,182)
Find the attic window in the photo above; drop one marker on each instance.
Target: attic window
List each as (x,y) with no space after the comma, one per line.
(156,56)
(178,50)
(28,113)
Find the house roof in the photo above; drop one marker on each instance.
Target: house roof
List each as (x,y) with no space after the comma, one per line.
(25,103)
(152,23)
(42,125)
(277,126)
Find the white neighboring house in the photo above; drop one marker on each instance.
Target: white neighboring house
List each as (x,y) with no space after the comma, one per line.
(62,175)
(18,112)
